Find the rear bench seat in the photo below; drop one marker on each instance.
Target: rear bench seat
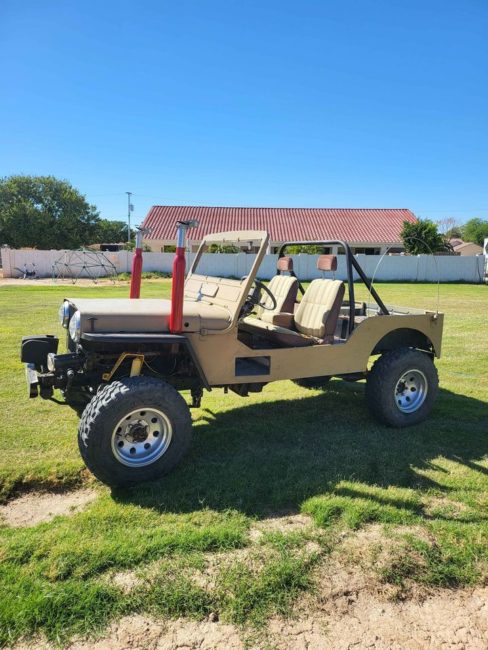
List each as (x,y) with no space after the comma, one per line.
(315,319)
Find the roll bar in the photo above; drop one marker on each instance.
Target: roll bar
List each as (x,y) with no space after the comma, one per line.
(351,262)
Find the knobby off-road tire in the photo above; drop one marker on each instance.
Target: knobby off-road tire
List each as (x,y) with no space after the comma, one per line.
(402,387)
(134,430)
(312,382)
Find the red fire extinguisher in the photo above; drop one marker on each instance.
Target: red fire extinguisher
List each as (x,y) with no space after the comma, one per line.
(178,281)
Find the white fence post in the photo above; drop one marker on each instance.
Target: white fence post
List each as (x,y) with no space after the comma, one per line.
(7,259)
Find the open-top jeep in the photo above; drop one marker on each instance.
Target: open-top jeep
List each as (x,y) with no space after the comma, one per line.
(128,359)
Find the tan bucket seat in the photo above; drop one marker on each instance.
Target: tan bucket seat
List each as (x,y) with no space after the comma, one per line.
(284,288)
(315,319)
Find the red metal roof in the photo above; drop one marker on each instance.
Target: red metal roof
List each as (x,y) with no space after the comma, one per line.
(355,225)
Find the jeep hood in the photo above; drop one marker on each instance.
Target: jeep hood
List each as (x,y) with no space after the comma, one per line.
(147,315)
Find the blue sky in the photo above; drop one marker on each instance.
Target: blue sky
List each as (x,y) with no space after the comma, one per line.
(352,103)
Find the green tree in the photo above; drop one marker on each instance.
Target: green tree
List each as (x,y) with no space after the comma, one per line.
(311,249)
(454,233)
(475,230)
(44,212)
(222,248)
(422,236)
(130,246)
(111,232)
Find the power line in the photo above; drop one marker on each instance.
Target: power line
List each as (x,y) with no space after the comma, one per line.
(107,194)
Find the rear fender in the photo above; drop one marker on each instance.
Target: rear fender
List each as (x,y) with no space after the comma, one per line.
(404,338)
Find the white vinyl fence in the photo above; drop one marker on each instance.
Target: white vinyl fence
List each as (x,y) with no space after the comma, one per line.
(402,268)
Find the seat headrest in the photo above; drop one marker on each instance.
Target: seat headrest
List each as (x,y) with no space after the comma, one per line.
(327,263)
(285,264)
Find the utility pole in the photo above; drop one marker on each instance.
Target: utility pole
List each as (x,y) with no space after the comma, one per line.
(130,207)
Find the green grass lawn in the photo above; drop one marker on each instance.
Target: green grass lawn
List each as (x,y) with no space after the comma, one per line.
(285,450)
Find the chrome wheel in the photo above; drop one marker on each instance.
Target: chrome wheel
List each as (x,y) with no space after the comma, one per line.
(411,391)
(141,437)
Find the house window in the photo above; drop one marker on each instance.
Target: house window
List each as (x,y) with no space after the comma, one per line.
(366,251)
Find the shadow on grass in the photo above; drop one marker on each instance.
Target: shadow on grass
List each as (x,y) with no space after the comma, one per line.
(268,458)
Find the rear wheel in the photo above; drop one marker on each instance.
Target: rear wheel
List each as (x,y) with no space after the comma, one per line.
(134,430)
(401,387)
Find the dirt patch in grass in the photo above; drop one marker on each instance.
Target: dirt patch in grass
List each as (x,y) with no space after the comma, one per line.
(206,576)
(371,548)
(126,581)
(255,556)
(144,633)
(215,563)
(352,617)
(349,607)
(141,633)
(279,524)
(352,608)
(443,506)
(36,507)
(347,616)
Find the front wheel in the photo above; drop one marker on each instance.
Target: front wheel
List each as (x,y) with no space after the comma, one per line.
(401,387)
(134,430)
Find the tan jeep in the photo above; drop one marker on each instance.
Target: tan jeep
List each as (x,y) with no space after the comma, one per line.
(124,368)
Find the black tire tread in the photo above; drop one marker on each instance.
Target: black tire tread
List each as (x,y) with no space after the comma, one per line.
(91,443)
(379,386)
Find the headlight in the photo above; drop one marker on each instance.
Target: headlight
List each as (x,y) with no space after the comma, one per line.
(64,314)
(75,327)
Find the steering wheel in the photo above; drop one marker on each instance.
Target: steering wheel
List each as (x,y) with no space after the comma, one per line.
(254,298)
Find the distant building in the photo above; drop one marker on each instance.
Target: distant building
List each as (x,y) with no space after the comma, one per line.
(367,230)
(461,247)
(111,248)
(455,242)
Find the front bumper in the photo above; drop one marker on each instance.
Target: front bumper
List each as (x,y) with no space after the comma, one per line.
(40,383)
(46,370)
(32,380)
(34,351)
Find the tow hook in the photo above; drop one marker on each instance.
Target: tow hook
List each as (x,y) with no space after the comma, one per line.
(70,375)
(196,397)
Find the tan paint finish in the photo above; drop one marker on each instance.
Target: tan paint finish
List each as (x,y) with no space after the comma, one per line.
(217,351)
(217,354)
(148,315)
(211,311)
(233,301)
